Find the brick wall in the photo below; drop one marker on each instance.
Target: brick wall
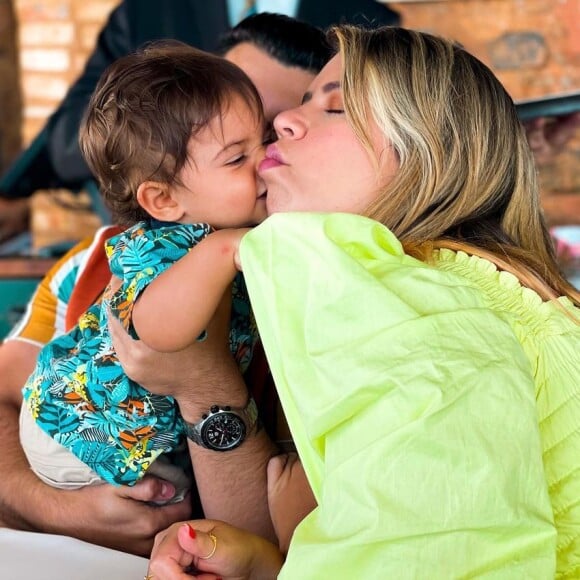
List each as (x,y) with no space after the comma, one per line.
(533,45)
(534,48)
(55,38)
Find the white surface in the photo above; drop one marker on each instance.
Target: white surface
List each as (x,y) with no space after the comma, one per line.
(29,556)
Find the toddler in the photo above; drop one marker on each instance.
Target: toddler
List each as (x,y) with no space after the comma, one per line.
(173,136)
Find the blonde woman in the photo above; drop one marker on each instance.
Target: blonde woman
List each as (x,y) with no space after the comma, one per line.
(426,350)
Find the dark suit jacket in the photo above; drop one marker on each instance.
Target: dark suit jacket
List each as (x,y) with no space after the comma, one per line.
(54,159)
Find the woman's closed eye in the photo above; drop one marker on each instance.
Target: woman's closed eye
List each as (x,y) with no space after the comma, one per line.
(335,111)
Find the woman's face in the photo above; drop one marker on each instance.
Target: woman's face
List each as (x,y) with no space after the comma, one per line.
(318,163)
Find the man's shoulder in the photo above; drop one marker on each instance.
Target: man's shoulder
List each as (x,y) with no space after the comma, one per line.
(196,22)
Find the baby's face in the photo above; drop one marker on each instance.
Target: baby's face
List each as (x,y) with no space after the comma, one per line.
(219,182)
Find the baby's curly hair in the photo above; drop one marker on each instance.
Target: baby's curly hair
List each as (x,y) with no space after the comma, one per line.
(145,109)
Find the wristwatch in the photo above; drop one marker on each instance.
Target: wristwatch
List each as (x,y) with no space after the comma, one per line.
(223,428)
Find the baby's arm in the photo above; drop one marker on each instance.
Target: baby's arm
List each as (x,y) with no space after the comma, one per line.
(177,306)
(290,497)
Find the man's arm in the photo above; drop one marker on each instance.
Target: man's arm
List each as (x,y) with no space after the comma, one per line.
(17,360)
(232,484)
(101,514)
(14,217)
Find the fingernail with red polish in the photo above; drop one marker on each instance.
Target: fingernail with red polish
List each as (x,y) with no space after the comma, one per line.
(191,532)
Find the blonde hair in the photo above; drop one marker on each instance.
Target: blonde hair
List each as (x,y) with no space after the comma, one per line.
(467,178)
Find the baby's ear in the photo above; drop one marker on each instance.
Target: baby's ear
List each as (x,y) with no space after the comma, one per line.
(154,197)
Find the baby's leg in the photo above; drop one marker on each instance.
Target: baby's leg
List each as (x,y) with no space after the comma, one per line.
(163,468)
(290,497)
(50,461)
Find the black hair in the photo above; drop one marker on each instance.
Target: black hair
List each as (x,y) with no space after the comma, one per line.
(290,41)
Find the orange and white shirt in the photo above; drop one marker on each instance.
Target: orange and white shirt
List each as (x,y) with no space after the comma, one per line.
(67,290)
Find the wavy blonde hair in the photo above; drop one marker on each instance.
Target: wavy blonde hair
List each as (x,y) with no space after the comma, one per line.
(467,179)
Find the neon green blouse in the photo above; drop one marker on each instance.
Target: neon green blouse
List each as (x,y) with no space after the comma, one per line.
(435,406)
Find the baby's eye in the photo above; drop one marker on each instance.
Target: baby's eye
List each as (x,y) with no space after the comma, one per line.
(236,160)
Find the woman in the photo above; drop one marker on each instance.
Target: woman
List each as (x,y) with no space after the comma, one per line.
(428,371)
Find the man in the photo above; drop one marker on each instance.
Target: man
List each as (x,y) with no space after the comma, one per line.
(231,485)
(54,160)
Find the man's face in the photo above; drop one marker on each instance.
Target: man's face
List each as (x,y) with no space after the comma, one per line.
(281,87)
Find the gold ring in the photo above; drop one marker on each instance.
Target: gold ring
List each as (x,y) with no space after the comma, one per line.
(214,540)
(148,577)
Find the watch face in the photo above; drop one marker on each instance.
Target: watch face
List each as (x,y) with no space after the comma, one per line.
(223,431)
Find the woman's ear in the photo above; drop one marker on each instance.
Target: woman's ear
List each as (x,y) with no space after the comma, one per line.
(155,198)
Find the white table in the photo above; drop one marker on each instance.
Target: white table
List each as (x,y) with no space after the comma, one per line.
(27,556)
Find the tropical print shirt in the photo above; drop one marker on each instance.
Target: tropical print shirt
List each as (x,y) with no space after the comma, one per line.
(79,394)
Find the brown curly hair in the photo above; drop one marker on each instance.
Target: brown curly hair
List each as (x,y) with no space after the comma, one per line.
(145,109)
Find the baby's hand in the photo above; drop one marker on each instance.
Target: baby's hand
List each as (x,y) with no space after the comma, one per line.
(290,497)
(240,233)
(237,260)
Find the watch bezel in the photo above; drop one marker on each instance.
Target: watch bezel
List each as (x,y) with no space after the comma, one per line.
(219,416)
(246,419)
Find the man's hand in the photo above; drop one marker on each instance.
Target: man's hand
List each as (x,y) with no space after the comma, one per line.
(117,517)
(549,136)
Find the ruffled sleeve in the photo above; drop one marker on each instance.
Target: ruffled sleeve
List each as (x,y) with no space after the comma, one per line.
(549,334)
(411,403)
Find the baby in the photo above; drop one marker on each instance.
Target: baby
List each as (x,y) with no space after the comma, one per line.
(174,136)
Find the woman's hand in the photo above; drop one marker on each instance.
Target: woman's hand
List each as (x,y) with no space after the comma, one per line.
(211,549)
(290,498)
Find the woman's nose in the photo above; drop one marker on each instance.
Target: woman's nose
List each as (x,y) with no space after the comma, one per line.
(289,125)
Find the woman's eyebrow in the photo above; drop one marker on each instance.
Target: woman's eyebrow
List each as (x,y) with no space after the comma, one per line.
(327,88)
